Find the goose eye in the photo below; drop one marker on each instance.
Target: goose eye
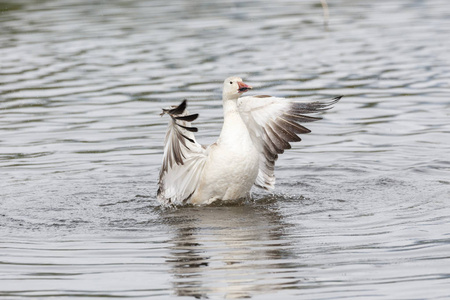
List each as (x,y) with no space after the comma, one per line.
(231,82)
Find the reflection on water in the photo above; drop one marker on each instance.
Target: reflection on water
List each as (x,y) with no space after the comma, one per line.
(235,251)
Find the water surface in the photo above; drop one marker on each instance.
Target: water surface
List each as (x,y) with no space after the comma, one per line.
(361,209)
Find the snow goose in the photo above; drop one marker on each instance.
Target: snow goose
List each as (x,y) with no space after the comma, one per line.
(256,129)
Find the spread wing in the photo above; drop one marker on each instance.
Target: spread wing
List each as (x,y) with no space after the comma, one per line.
(273,123)
(183,159)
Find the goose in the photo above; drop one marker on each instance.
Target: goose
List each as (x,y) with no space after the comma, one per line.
(256,129)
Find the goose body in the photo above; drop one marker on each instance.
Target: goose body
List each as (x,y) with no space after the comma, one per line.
(255,130)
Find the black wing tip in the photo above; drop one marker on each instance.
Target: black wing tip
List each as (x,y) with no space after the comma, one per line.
(191,129)
(188,118)
(336,99)
(328,105)
(176,114)
(175,110)
(179,109)
(322,106)
(189,139)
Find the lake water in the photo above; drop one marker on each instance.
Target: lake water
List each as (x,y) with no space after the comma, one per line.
(361,209)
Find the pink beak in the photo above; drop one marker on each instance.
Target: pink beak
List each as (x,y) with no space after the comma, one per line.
(243,87)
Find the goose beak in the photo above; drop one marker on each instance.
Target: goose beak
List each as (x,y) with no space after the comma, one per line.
(243,87)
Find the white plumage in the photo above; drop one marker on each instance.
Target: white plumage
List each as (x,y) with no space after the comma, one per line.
(256,129)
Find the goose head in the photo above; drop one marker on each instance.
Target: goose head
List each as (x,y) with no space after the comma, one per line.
(233,87)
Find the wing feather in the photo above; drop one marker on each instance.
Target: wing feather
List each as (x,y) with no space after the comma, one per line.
(183,159)
(273,123)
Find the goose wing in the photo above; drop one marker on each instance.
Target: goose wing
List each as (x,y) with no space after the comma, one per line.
(273,123)
(183,159)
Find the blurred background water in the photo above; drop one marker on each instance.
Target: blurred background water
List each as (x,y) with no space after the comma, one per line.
(361,209)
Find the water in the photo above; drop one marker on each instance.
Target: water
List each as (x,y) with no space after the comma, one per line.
(361,209)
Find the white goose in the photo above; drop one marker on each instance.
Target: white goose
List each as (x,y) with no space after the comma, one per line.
(255,130)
